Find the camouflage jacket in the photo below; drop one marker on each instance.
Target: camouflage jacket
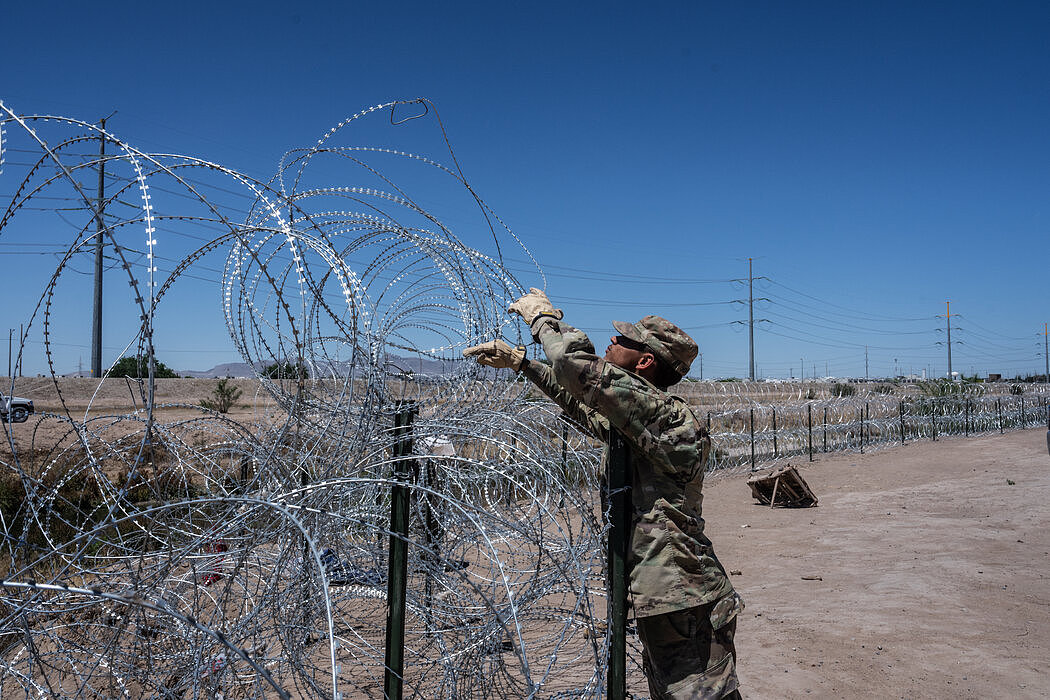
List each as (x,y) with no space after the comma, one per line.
(672,563)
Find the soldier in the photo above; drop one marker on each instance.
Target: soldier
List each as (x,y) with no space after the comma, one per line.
(683,602)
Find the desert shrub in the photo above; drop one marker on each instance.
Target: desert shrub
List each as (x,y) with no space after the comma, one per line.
(285,370)
(843,389)
(942,387)
(883,389)
(223,398)
(74,499)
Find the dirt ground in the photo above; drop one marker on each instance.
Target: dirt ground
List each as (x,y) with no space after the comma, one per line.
(926,566)
(933,562)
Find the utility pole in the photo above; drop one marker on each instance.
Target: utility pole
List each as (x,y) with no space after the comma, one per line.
(751,320)
(96,313)
(1046,347)
(865,363)
(751,317)
(948,323)
(701,366)
(10,332)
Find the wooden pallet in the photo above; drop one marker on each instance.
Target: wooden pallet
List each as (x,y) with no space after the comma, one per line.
(782,487)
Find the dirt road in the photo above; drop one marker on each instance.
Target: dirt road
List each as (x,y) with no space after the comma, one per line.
(934,566)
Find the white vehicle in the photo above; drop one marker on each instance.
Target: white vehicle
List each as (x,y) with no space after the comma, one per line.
(15,409)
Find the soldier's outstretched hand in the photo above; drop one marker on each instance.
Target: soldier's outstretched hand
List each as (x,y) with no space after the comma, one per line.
(534,305)
(498,354)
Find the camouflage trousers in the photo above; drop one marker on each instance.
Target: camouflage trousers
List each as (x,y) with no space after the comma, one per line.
(690,653)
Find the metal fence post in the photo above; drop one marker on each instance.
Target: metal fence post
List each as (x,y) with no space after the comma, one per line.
(775,451)
(933,420)
(397,564)
(825,429)
(999,412)
(967,419)
(809,424)
(1022,413)
(901,406)
(861,412)
(752,439)
(619,537)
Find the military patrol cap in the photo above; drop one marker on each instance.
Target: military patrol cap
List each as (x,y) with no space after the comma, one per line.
(667,341)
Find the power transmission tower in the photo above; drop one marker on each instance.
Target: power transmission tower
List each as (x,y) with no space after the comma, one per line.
(948,323)
(751,317)
(96,311)
(750,321)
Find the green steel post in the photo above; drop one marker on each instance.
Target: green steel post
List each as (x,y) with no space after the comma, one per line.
(397,564)
(752,439)
(775,452)
(861,412)
(903,432)
(619,538)
(933,419)
(809,422)
(825,429)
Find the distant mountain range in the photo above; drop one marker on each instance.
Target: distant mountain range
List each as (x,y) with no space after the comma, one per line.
(395,363)
(227,369)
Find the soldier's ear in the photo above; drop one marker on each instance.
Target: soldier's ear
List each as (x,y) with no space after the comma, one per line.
(645,361)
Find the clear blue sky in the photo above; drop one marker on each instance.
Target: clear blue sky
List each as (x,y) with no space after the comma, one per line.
(875,160)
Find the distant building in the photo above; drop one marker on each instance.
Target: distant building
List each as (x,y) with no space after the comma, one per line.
(995,377)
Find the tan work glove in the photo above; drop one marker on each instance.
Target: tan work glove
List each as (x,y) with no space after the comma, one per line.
(535,305)
(498,354)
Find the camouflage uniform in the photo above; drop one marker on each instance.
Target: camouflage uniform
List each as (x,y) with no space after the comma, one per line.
(685,605)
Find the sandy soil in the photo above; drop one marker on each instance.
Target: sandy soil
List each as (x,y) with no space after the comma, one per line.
(933,567)
(933,571)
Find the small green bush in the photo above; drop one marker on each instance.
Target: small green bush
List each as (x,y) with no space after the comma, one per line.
(942,387)
(285,370)
(842,389)
(223,397)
